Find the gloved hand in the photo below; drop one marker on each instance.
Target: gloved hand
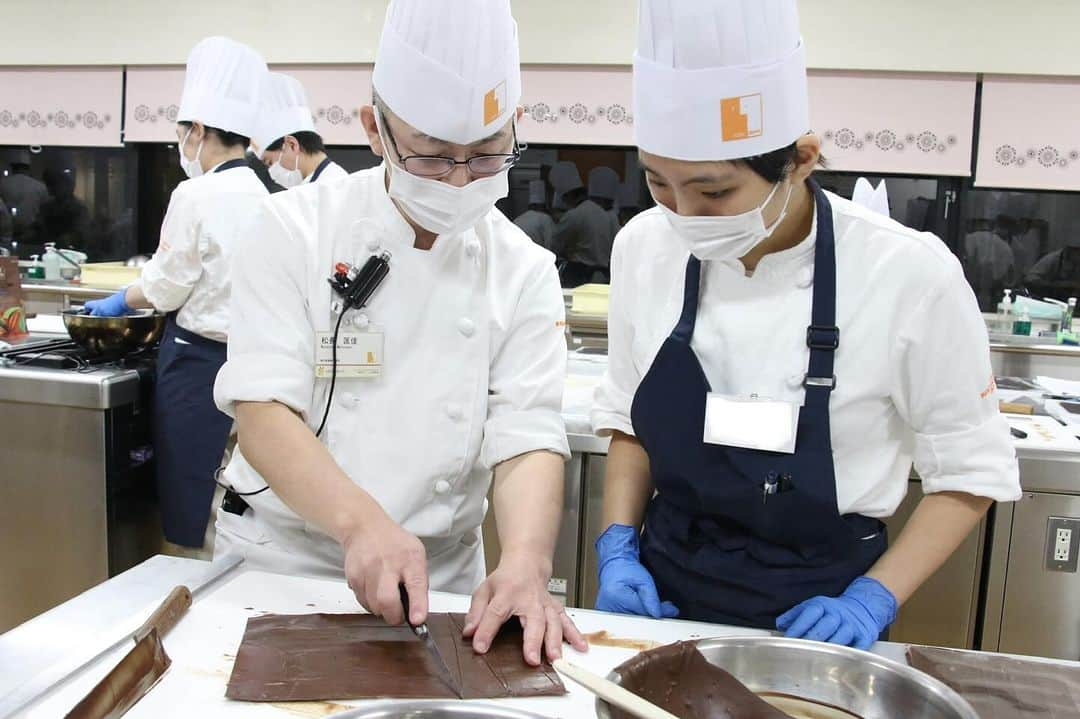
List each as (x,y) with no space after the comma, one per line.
(855,618)
(626,587)
(115,305)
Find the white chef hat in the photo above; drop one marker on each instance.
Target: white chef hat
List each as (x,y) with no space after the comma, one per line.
(222,86)
(450,68)
(876,199)
(284,112)
(564,177)
(719,79)
(537,192)
(603,183)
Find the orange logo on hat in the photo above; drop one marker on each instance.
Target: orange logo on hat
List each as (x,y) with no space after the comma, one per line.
(740,117)
(494,103)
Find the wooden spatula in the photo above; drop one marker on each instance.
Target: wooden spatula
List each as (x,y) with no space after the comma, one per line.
(611,692)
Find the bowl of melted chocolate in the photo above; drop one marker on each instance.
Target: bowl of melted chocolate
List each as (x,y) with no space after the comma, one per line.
(778,678)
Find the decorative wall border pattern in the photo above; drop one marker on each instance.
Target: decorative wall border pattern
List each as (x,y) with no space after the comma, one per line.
(61,119)
(1048,156)
(578,113)
(144,114)
(336,115)
(888,140)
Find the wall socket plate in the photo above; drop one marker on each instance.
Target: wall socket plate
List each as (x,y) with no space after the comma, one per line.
(1062,544)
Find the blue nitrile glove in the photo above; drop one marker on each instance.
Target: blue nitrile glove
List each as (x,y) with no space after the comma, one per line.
(626,587)
(115,305)
(856,618)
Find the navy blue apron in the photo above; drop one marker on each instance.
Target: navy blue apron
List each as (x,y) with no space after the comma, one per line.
(318,170)
(739,536)
(190,432)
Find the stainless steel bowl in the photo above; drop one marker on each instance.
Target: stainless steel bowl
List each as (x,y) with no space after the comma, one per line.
(114,335)
(441,709)
(864,684)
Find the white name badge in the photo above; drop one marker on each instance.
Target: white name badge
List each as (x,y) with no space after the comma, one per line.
(359,355)
(751,423)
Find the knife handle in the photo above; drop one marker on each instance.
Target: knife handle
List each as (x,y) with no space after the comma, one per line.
(166,616)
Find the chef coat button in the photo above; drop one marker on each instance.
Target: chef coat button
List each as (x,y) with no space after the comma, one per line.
(472,248)
(454,412)
(373,244)
(442,487)
(361,321)
(466,326)
(347,399)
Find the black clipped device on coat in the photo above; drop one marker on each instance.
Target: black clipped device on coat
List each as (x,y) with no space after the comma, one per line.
(355,286)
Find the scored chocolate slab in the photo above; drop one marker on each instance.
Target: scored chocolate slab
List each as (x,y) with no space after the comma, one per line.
(313,657)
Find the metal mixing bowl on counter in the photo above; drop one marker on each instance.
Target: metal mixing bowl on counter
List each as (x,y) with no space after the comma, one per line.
(114,335)
(441,709)
(860,683)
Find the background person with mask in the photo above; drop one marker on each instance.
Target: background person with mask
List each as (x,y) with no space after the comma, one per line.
(749,282)
(189,277)
(291,148)
(463,342)
(535,221)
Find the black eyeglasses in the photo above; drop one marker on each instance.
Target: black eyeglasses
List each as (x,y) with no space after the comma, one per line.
(436,166)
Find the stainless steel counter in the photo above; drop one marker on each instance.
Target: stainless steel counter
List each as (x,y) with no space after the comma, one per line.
(97,389)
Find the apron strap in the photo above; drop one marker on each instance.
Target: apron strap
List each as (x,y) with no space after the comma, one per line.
(319,170)
(822,336)
(684,331)
(230,165)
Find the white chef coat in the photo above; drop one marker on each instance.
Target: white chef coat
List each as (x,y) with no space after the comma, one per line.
(539,227)
(475,362)
(585,235)
(189,271)
(332,172)
(913,375)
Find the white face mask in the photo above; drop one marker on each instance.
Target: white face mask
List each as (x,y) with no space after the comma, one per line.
(284,176)
(191,168)
(440,207)
(726,237)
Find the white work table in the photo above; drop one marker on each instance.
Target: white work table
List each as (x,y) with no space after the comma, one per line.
(204,644)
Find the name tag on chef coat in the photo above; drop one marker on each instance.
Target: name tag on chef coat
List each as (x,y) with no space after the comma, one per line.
(751,423)
(359,354)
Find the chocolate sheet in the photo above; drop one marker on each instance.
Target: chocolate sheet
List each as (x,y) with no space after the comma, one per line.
(1002,687)
(680,680)
(311,657)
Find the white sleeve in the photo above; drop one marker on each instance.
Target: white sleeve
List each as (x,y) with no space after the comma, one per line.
(271,340)
(615,394)
(169,276)
(943,387)
(528,376)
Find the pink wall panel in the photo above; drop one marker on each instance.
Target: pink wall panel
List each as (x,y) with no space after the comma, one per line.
(894,122)
(151,103)
(335,92)
(61,106)
(1028,133)
(571,106)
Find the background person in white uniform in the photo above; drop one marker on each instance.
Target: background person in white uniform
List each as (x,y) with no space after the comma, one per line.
(739,259)
(465,336)
(189,277)
(289,145)
(535,221)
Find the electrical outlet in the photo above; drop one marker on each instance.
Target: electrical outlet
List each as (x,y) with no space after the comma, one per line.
(1062,541)
(1062,544)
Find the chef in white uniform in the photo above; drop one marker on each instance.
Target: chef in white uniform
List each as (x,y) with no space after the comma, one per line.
(779,357)
(286,136)
(453,371)
(535,221)
(189,277)
(586,231)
